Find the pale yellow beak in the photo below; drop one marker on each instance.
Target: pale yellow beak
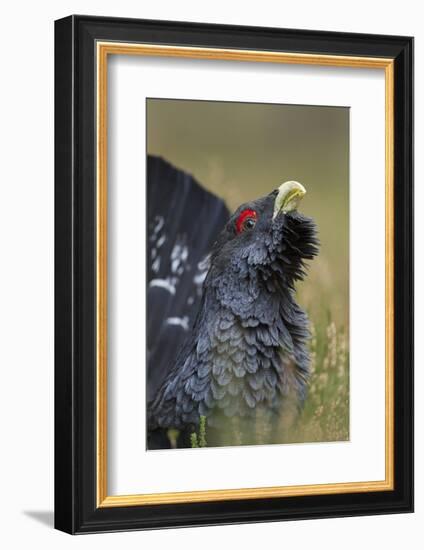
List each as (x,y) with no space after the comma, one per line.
(290,193)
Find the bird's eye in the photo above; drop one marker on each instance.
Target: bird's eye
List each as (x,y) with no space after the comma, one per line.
(249,223)
(246,220)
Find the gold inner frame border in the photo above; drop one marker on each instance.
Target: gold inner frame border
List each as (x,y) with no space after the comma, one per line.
(103,50)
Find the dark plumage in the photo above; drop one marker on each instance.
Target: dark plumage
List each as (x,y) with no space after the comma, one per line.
(183,222)
(246,359)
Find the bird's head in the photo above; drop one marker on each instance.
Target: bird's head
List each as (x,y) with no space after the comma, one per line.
(266,239)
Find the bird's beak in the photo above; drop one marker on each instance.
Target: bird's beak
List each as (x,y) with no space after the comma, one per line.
(289,195)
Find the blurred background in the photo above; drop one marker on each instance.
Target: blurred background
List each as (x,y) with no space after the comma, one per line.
(241,151)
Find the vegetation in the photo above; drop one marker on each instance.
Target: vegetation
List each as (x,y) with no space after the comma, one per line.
(199,439)
(325,416)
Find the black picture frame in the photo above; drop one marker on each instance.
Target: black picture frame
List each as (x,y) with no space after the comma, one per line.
(76,509)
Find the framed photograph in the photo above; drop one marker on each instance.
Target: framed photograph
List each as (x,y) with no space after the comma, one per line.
(234,274)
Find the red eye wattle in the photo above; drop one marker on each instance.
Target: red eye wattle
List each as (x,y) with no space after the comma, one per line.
(246,220)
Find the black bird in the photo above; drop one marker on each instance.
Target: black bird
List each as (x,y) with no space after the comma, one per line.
(244,365)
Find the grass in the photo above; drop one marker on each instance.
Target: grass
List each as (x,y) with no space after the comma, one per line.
(199,439)
(325,296)
(325,416)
